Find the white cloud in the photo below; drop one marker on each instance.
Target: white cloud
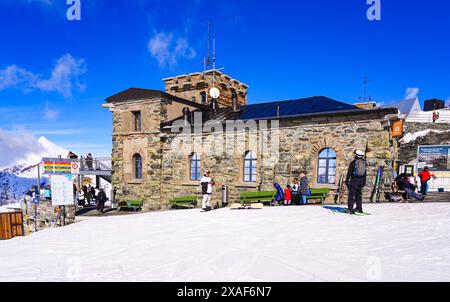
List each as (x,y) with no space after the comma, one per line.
(411,93)
(64,79)
(447,104)
(16,145)
(168,50)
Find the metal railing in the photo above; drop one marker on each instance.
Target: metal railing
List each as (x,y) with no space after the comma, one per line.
(95,164)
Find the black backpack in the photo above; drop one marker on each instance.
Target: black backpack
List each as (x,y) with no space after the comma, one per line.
(360,168)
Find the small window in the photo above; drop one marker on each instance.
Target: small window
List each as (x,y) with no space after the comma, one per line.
(327,167)
(137,121)
(195,163)
(250,167)
(204,97)
(137,166)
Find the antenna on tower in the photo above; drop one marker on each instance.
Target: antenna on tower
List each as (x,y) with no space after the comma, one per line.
(366,97)
(214,61)
(207,59)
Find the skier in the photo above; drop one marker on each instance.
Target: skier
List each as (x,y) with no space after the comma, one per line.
(101,200)
(207,188)
(425,177)
(304,188)
(356,181)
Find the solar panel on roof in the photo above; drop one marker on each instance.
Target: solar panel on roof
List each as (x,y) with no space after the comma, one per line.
(294,107)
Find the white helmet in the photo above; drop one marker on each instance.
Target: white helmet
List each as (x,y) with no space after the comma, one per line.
(359,153)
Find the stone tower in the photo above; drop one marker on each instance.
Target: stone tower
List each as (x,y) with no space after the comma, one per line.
(195,87)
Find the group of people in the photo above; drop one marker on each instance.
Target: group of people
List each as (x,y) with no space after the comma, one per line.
(88,160)
(295,193)
(405,183)
(88,194)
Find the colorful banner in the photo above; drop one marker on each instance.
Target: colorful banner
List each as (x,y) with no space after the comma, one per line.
(58,168)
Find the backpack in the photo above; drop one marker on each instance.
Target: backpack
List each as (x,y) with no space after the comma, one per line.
(360,168)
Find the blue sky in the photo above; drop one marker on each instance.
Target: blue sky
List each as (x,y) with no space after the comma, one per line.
(55,73)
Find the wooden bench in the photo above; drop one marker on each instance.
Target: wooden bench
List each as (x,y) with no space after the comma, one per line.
(188,202)
(135,205)
(318,194)
(258,197)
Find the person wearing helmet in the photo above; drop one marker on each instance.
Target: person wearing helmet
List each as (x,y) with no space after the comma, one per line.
(207,188)
(356,181)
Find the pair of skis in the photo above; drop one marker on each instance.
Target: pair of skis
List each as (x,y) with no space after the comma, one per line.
(340,190)
(340,210)
(376,193)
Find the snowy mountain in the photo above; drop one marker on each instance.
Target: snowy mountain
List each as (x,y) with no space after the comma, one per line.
(19,177)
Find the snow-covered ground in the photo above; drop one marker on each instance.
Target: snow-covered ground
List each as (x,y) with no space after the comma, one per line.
(399,242)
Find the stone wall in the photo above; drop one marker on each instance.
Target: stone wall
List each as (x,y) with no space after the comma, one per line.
(191,86)
(416,127)
(146,143)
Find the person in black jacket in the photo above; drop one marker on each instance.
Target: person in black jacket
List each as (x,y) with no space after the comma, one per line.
(356,181)
(101,200)
(403,184)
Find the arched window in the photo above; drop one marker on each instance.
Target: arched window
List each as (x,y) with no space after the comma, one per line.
(137,166)
(250,167)
(195,163)
(327,167)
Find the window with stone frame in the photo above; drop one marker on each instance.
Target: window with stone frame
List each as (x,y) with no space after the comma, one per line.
(326,172)
(137,166)
(195,167)
(250,162)
(137,121)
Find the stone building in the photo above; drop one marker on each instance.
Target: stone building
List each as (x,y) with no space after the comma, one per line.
(159,140)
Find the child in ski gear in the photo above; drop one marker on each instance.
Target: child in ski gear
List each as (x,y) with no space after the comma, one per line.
(356,181)
(304,188)
(425,177)
(280,193)
(207,188)
(295,192)
(287,196)
(403,184)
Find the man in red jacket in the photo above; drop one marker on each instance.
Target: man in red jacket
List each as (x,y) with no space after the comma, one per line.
(425,177)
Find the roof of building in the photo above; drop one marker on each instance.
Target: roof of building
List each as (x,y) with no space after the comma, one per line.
(306,106)
(134,94)
(313,106)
